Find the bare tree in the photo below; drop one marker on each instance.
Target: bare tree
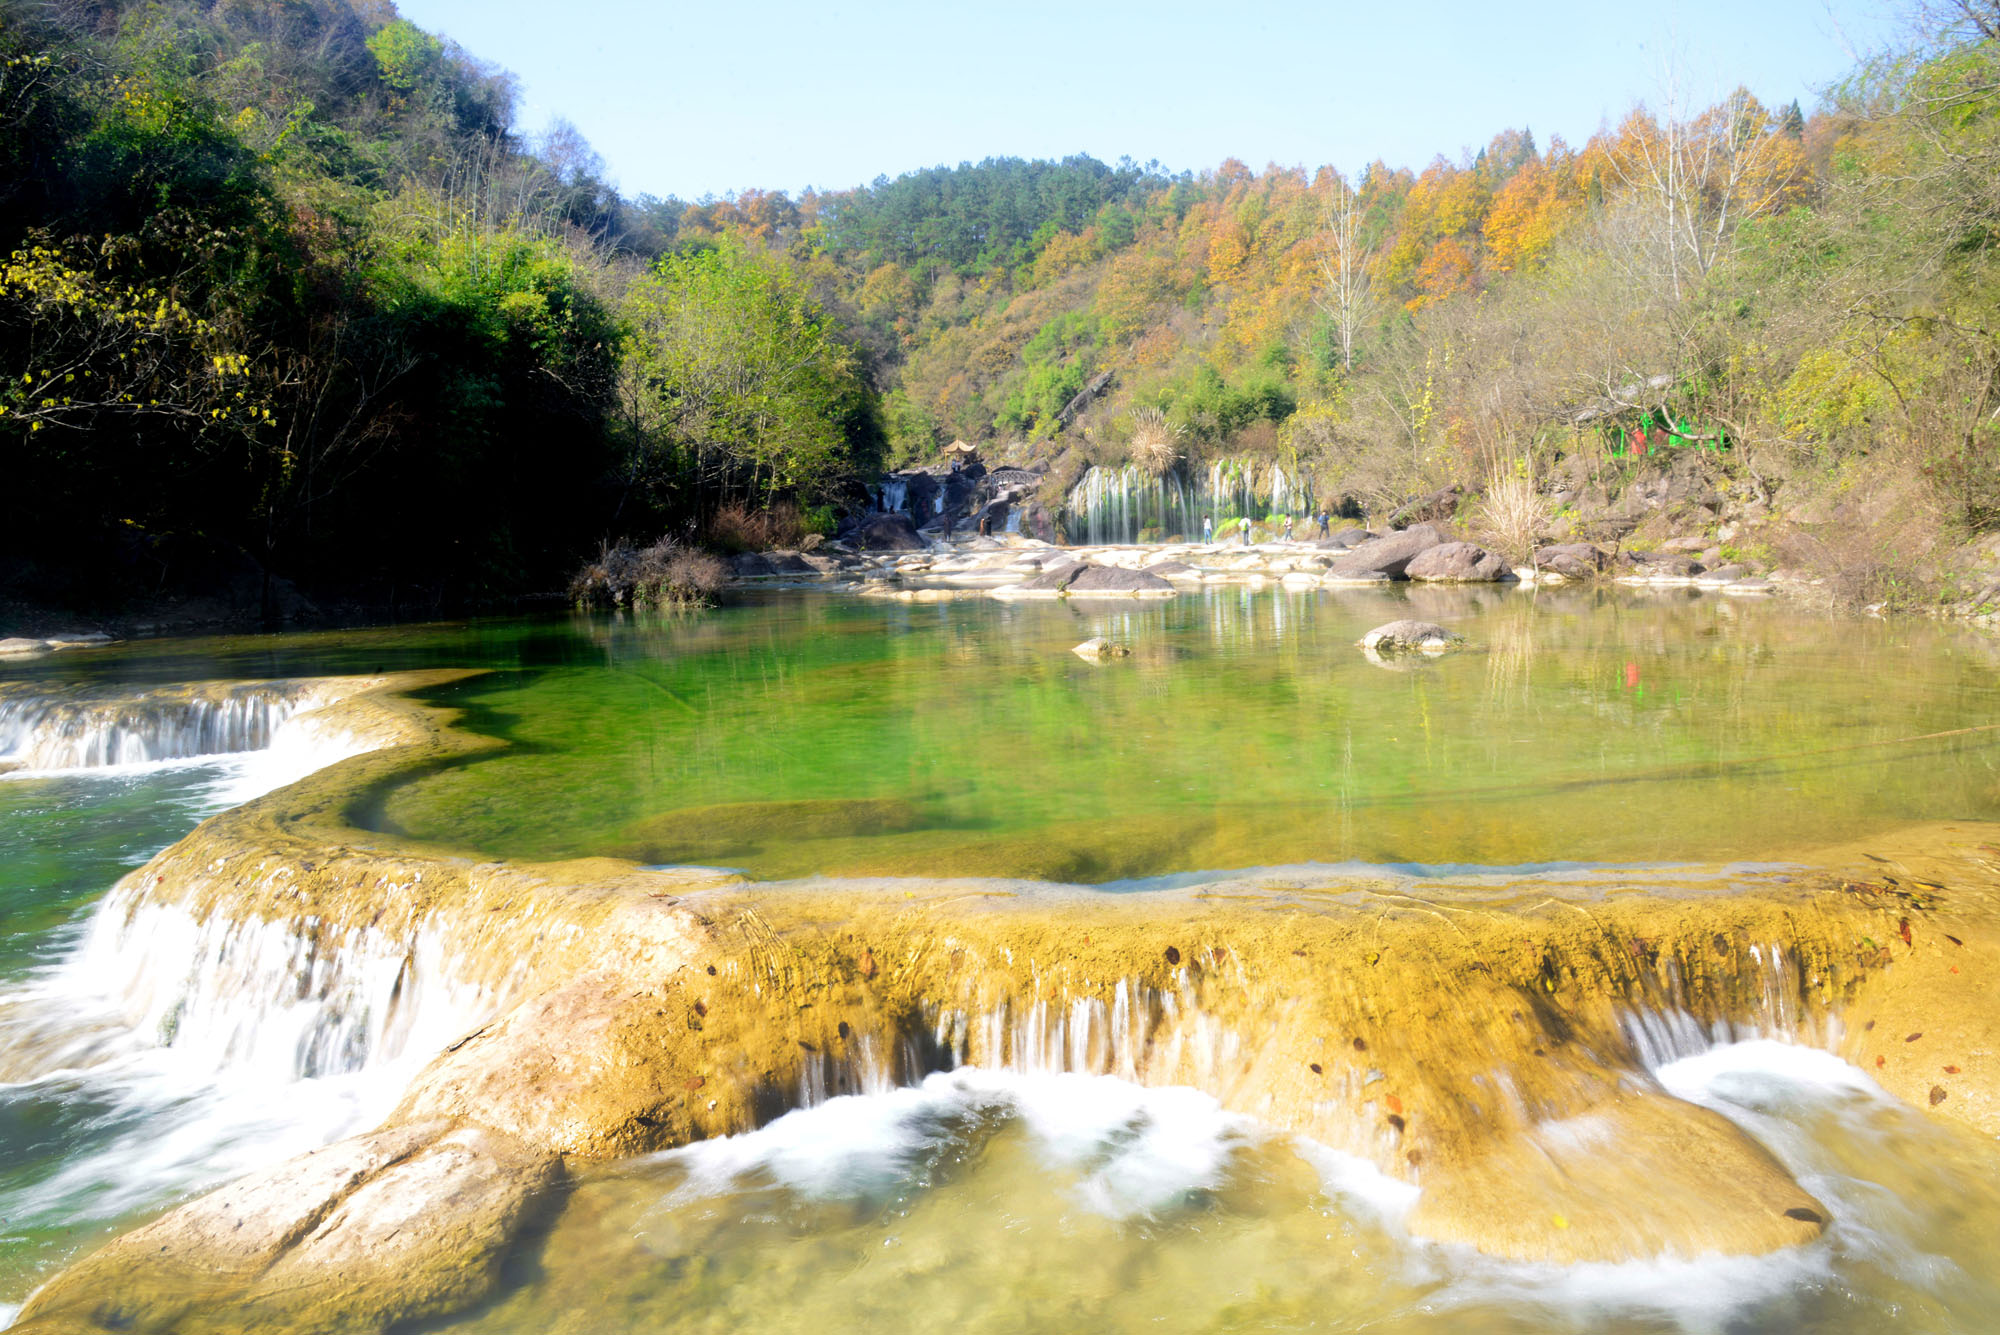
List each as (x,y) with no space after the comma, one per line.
(1703,175)
(1344,296)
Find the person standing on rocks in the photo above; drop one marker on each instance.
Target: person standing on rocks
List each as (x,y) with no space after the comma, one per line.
(1288,528)
(1325,525)
(1246,530)
(1208,528)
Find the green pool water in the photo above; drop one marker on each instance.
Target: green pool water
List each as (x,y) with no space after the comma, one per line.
(825,734)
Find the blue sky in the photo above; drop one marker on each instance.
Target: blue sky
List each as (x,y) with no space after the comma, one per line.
(698,99)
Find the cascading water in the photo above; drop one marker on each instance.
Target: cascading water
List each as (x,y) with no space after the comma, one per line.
(44,732)
(176,1046)
(1117,505)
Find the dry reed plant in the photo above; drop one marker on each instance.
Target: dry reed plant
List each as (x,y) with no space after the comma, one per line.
(1513,512)
(1156,442)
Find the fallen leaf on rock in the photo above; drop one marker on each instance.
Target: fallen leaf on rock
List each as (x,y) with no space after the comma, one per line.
(1951,1070)
(1938,1095)
(1800,1212)
(1914,1037)
(1903,930)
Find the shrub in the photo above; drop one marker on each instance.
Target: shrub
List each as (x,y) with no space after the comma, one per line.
(666,574)
(738,528)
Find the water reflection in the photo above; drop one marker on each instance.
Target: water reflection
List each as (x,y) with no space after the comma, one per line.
(1245,729)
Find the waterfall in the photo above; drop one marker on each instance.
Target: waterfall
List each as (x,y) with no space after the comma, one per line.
(895,494)
(93,731)
(269,1001)
(1115,505)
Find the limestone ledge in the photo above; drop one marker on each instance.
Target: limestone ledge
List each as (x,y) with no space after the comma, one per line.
(1462,1034)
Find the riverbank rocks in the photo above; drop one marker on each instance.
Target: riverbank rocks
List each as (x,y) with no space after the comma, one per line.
(1401,636)
(1078,578)
(761,565)
(1097,648)
(1388,555)
(1573,560)
(1112,580)
(1457,563)
(889,533)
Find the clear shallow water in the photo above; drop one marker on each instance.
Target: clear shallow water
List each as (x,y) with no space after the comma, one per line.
(826,734)
(994,1202)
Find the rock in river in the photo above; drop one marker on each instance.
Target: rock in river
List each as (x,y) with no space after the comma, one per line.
(1426,636)
(1098,647)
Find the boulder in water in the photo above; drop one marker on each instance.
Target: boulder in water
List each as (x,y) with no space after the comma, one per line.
(1097,647)
(1424,636)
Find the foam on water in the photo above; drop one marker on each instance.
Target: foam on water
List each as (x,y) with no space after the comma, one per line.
(1133,1151)
(1134,1154)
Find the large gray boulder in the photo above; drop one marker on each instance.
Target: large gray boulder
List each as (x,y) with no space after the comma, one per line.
(1117,580)
(1573,560)
(889,533)
(1458,563)
(754,565)
(1388,555)
(1055,576)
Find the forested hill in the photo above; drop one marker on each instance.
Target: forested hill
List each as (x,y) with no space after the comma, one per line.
(287,290)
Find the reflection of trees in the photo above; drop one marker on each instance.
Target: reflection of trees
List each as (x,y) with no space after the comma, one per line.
(1246,726)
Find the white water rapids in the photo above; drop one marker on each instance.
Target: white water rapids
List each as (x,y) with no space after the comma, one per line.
(188,1050)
